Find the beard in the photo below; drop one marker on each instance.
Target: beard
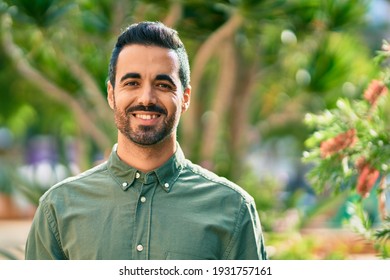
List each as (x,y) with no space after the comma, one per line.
(145,135)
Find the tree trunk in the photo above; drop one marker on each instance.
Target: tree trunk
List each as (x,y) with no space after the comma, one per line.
(239,120)
(174,14)
(221,103)
(191,119)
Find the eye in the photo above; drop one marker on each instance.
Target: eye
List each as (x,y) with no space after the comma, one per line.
(131,83)
(164,86)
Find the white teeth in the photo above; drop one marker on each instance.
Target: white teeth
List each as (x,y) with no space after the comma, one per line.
(146,117)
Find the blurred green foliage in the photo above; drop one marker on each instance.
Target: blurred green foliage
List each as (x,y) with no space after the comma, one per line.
(292,57)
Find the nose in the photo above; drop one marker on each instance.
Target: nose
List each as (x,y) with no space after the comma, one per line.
(147,96)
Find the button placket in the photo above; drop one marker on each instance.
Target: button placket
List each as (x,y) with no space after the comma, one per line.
(143,219)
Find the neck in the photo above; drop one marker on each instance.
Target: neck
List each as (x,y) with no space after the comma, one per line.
(145,158)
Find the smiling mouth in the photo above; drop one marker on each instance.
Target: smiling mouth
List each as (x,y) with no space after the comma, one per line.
(146,116)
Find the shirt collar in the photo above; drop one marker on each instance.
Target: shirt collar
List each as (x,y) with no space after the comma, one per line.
(166,175)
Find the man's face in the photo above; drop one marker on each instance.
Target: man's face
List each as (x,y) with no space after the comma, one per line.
(148,97)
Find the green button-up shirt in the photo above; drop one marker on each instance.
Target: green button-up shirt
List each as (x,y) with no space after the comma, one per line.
(178,211)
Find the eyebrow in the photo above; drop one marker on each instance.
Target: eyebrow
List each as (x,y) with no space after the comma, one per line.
(164,77)
(130,76)
(159,77)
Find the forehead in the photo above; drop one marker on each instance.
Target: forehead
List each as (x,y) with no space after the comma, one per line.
(147,60)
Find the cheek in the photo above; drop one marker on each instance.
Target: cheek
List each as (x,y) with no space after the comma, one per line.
(175,106)
(123,100)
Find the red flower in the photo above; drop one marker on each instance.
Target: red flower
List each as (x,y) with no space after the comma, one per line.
(367,177)
(374,91)
(338,143)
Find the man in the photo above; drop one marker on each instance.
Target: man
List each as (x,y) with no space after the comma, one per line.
(147,201)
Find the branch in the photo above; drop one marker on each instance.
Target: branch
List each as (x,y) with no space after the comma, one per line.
(174,14)
(91,88)
(140,12)
(205,52)
(119,14)
(221,101)
(50,89)
(239,120)
(292,112)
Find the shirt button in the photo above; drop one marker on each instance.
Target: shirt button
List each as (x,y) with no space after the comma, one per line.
(125,184)
(166,185)
(137,175)
(143,199)
(140,248)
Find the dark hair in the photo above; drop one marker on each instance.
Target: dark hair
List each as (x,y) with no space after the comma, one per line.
(151,34)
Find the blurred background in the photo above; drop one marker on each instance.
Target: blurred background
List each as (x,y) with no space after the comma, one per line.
(258,67)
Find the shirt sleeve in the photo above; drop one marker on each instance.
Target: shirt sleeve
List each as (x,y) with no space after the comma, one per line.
(248,240)
(43,240)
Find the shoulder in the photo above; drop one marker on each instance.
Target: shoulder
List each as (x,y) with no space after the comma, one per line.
(73,182)
(213,180)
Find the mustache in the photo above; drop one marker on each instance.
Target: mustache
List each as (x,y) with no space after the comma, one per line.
(151,108)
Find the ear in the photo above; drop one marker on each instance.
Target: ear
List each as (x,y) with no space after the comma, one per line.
(186,99)
(110,95)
